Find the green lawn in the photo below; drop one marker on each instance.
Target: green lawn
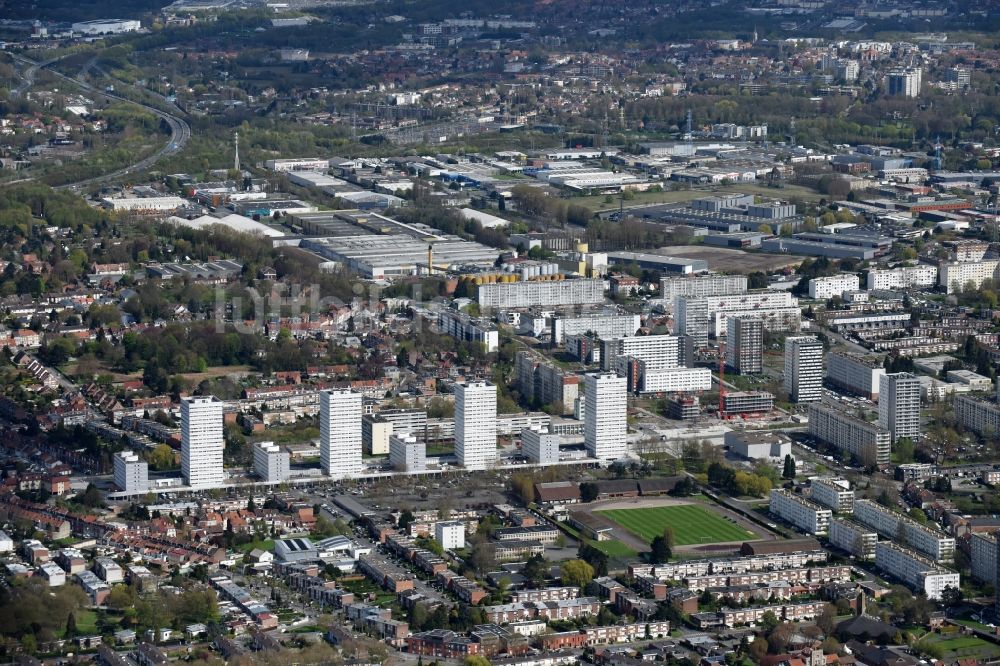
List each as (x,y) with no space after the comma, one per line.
(964,643)
(691,523)
(86,623)
(267,544)
(614,549)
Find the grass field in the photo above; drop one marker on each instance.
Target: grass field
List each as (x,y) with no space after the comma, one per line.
(692,524)
(614,549)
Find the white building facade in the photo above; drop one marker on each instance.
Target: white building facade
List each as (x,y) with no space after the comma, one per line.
(916,572)
(906,277)
(475,424)
(868,442)
(827,287)
(407,454)
(856,539)
(340,414)
(540,447)
(804,368)
(202,442)
(807,516)
(899,405)
(271,462)
(131,472)
(605,416)
(858,374)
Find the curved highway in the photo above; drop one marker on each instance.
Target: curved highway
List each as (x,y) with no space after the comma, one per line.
(180,131)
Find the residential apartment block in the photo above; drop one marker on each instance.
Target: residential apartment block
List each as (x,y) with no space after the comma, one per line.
(270,462)
(202,442)
(906,277)
(340,433)
(476,424)
(899,405)
(465,328)
(854,538)
(745,344)
(701,285)
(915,571)
(835,494)
(601,325)
(930,542)
(983,550)
(540,293)
(961,276)
(544,383)
(800,512)
(540,447)
(658,352)
(824,288)
(705,316)
(605,416)
(978,415)
(858,374)
(804,368)
(868,442)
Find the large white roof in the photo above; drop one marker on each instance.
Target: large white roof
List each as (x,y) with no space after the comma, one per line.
(233,221)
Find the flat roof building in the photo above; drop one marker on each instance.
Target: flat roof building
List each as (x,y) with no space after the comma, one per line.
(800,512)
(868,442)
(202,442)
(540,293)
(131,473)
(476,424)
(804,368)
(407,454)
(858,374)
(340,433)
(539,446)
(270,462)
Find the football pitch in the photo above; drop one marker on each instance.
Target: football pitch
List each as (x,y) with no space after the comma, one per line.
(691,523)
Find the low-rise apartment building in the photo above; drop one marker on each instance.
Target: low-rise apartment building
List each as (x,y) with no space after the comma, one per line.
(930,542)
(835,494)
(871,444)
(800,512)
(854,538)
(914,570)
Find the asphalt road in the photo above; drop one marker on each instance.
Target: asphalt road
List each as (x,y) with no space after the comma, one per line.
(180,131)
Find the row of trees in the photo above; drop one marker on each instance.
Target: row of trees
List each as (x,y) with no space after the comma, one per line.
(738,482)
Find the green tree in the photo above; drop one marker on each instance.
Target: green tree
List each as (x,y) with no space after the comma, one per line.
(769,621)
(476,660)
(161,458)
(536,571)
(588,492)
(668,536)
(789,471)
(659,551)
(577,573)
(91,497)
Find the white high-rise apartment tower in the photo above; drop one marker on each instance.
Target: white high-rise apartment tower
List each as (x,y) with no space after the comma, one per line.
(604,416)
(340,433)
(899,405)
(745,345)
(202,442)
(476,424)
(804,368)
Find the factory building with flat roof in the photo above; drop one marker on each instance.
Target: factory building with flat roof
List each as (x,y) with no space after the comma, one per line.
(393,255)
